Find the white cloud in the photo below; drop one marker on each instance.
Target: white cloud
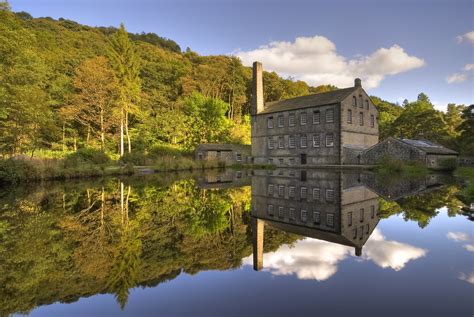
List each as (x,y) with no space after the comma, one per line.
(467,277)
(469,247)
(458,236)
(390,254)
(460,77)
(468,37)
(316,61)
(311,259)
(468,67)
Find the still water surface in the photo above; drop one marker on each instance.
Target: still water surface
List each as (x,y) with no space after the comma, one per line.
(283,242)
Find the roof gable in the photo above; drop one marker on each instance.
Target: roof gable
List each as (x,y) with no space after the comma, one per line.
(325,98)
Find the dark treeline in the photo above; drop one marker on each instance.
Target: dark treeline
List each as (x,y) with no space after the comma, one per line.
(66,86)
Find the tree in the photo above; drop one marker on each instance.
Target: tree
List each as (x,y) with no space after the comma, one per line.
(466,128)
(93,103)
(126,64)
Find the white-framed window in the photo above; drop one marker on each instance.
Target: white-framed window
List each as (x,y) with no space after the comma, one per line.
(349,218)
(270,189)
(281,142)
(367,228)
(361,118)
(317,217)
(330,115)
(349,116)
(281,121)
(330,194)
(354,101)
(354,233)
(361,103)
(291,213)
(270,142)
(316,117)
(303,141)
(291,119)
(372,211)
(330,220)
(270,161)
(281,161)
(292,172)
(291,141)
(292,161)
(304,215)
(316,140)
(316,194)
(270,210)
(303,192)
(330,140)
(303,118)
(361,217)
(367,104)
(281,212)
(372,121)
(361,232)
(291,191)
(281,190)
(270,122)
(238,157)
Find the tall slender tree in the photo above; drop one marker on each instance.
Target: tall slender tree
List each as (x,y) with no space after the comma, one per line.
(126,63)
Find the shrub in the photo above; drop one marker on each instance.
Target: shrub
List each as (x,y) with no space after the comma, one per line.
(449,164)
(17,170)
(86,156)
(134,158)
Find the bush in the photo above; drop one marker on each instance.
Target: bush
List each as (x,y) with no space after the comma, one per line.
(86,156)
(135,158)
(389,165)
(17,170)
(449,164)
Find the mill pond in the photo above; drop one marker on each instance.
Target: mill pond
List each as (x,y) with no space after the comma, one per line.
(242,242)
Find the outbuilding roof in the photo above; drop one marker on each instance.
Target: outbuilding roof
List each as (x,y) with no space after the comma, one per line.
(428,146)
(321,99)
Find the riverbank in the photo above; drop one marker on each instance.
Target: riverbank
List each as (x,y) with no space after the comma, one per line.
(467,174)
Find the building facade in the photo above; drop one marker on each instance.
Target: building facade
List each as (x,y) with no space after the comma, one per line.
(331,128)
(226,153)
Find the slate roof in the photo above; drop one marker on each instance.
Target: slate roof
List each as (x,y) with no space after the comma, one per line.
(223,147)
(325,98)
(428,146)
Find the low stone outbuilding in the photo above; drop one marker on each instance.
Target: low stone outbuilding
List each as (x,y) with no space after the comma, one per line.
(227,153)
(422,151)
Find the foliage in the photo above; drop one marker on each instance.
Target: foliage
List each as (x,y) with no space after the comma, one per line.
(449,164)
(87,156)
(16,171)
(467,193)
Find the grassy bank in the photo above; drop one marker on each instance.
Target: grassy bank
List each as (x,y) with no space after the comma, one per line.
(395,167)
(467,174)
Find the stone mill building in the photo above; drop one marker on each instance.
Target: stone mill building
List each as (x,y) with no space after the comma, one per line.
(331,128)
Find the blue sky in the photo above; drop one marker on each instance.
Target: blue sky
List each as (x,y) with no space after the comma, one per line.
(399,48)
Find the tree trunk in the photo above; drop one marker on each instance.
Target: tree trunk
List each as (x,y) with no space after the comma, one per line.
(121,133)
(128,135)
(64,136)
(102,130)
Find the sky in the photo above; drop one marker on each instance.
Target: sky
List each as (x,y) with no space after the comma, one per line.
(398,47)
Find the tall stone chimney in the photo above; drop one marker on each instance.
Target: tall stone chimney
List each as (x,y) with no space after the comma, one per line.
(257,89)
(357,82)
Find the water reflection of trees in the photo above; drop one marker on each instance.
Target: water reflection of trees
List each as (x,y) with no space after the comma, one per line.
(59,243)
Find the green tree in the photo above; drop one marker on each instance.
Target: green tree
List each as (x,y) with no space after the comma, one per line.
(466,130)
(126,64)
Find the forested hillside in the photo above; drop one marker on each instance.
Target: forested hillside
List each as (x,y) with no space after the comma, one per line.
(66,86)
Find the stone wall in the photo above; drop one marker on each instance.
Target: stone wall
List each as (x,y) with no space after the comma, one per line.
(391,148)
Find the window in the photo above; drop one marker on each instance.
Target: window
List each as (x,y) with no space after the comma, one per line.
(361,104)
(291,191)
(292,161)
(281,190)
(303,159)
(281,163)
(367,104)
(349,116)
(280,172)
(292,172)
(270,210)
(349,218)
(361,232)
(291,119)
(372,212)
(291,141)
(303,192)
(329,115)
(372,121)
(270,142)
(316,194)
(367,227)
(316,117)
(361,118)
(303,118)
(238,157)
(354,233)
(270,161)
(281,142)
(239,174)
(329,194)
(281,212)
(316,140)
(281,121)
(354,101)
(329,140)
(270,122)
(303,140)
(362,215)
(317,217)
(330,220)
(291,214)
(304,215)
(270,189)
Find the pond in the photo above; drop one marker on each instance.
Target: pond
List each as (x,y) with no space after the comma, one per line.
(220,243)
